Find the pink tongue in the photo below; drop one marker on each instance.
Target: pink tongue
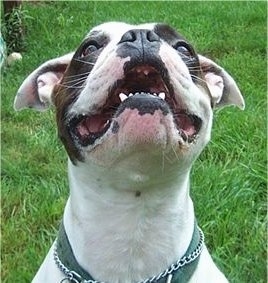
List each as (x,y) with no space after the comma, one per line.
(186,124)
(91,125)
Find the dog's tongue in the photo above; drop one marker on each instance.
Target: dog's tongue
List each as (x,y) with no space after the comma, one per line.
(186,124)
(92,125)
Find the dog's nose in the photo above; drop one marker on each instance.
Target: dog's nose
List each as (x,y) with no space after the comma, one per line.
(140,36)
(141,45)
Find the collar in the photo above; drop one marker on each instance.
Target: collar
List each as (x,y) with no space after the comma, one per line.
(179,272)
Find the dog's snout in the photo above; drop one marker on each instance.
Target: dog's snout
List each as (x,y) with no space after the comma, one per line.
(142,36)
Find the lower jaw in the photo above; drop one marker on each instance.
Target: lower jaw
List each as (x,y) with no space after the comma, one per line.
(131,129)
(143,129)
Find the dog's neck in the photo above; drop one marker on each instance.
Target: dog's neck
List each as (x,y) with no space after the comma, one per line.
(139,233)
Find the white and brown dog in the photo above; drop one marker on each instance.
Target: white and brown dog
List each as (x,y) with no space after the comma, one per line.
(134,110)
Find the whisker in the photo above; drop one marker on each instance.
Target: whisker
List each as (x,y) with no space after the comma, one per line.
(193,68)
(85,62)
(163,161)
(76,80)
(78,75)
(168,159)
(199,79)
(66,86)
(176,155)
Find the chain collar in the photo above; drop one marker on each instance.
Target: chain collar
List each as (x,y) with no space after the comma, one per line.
(169,274)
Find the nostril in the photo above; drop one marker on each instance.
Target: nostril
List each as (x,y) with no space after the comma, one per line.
(139,35)
(129,36)
(152,36)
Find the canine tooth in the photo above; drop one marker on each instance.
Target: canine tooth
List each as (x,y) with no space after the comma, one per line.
(122,96)
(162,95)
(131,94)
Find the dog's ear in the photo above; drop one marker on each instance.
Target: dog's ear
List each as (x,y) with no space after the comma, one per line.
(224,90)
(35,92)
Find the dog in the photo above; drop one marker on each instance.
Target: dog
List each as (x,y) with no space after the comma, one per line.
(134,107)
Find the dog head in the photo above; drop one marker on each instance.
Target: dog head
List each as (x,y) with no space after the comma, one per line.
(132,96)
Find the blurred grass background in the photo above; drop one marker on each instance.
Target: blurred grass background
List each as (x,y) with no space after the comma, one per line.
(229,184)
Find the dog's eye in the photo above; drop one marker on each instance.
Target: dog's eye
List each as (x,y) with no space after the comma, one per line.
(89,48)
(184,49)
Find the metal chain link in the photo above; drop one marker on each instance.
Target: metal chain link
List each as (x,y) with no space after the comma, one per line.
(76,278)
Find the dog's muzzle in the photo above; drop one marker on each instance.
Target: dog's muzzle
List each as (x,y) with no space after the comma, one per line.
(145,87)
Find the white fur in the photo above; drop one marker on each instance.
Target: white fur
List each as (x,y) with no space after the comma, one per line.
(131,230)
(116,236)
(102,222)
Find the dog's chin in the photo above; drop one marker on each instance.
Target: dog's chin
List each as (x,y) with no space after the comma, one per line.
(141,106)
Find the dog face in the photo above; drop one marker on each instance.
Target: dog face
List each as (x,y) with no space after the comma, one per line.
(133,89)
(132,95)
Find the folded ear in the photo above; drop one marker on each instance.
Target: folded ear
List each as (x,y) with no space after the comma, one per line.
(35,92)
(223,88)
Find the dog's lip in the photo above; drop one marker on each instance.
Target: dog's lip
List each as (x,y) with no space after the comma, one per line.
(143,79)
(86,129)
(188,125)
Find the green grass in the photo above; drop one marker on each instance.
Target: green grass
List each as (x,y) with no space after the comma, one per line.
(229,178)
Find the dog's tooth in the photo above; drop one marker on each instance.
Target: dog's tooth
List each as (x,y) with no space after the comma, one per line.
(122,96)
(162,95)
(106,123)
(131,94)
(184,135)
(146,72)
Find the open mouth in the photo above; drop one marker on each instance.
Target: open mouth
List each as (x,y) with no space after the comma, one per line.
(140,80)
